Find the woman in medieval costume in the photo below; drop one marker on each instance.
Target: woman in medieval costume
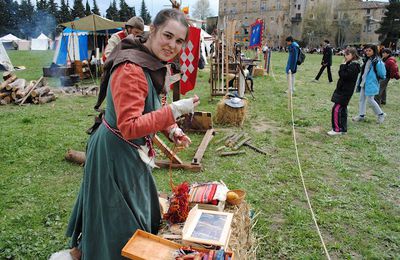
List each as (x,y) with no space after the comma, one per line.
(118,194)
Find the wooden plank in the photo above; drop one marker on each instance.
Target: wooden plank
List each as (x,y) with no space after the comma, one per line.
(185,166)
(165,150)
(203,146)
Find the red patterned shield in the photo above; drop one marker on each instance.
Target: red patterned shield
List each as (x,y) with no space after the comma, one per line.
(189,60)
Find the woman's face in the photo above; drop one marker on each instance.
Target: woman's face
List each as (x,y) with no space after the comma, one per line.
(369,52)
(348,56)
(167,41)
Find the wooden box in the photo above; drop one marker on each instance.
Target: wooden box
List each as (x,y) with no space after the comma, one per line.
(146,246)
(219,207)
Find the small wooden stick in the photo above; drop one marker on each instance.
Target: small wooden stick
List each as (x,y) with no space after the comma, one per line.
(254,148)
(232,153)
(235,139)
(237,146)
(220,148)
(30,91)
(224,139)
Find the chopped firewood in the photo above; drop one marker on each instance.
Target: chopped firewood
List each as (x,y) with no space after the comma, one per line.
(38,92)
(75,156)
(7,82)
(47,99)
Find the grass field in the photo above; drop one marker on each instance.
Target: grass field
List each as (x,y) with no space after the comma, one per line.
(353,180)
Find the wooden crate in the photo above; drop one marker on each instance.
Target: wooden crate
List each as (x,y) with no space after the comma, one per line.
(146,246)
(219,207)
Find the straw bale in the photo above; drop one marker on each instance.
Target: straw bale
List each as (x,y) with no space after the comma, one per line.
(227,115)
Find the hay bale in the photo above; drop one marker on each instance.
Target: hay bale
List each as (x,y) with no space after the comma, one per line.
(243,242)
(227,115)
(258,72)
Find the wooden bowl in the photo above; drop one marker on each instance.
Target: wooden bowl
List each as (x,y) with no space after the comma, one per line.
(241,194)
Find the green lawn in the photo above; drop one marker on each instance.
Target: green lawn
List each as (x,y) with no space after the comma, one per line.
(353,180)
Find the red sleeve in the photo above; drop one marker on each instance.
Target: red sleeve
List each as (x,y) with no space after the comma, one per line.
(129,91)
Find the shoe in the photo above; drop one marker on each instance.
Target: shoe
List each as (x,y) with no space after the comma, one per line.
(314,81)
(333,133)
(330,82)
(358,118)
(287,92)
(381,118)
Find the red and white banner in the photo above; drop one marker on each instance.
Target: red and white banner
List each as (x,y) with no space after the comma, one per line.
(189,60)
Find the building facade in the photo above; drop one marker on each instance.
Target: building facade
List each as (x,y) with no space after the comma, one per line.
(310,21)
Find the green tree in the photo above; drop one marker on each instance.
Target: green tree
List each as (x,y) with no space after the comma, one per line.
(25,17)
(125,11)
(52,8)
(144,13)
(64,14)
(78,10)
(112,11)
(8,17)
(41,5)
(201,9)
(95,9)
(87,8)
(389,31)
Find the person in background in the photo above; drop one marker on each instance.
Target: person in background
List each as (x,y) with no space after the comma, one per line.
(372,71)
(326,62)
(134,26)
(293,49)
(348,74)
(118,194)
(392,72)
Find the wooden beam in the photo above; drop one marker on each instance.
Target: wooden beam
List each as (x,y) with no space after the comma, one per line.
(203,146)
(165,150)
(254,148)
(185,166)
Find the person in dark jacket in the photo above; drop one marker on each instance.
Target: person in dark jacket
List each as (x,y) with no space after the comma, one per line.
(348,73)
(326,62)
(291,65)
(392,72)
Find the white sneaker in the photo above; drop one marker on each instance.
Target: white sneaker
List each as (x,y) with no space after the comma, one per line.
(358,118)
(314,81)
(333,133)
(381,118)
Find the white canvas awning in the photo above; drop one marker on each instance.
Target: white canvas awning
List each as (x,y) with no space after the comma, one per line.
(9,38)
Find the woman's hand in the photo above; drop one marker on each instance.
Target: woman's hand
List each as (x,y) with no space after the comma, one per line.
(179,138)
(184,106)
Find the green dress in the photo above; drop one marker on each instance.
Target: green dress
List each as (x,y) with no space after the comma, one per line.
(118,194)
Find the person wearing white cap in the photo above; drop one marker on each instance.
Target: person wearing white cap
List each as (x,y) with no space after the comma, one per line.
(134,26)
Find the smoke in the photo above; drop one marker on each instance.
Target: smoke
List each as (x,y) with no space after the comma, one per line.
(42,22)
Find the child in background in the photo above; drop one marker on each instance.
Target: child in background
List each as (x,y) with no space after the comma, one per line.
(348,74)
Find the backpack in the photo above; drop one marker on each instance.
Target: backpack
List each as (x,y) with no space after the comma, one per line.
(301,57)
(379,78)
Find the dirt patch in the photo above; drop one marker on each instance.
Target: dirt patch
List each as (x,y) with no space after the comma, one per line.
(264,126)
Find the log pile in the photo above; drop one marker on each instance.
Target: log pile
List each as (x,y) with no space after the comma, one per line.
(19,91)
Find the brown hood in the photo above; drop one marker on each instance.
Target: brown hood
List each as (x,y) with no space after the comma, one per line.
(131,49)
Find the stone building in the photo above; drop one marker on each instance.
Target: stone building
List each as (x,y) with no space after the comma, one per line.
(310,21)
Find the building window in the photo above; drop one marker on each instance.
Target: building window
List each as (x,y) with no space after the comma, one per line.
(298,7)
(368,11)
(298,15)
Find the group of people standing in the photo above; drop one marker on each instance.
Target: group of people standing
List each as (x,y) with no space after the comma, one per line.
(369,75)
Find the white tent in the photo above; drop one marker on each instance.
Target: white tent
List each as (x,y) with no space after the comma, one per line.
(5,63)
(9,38)
(40,43)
